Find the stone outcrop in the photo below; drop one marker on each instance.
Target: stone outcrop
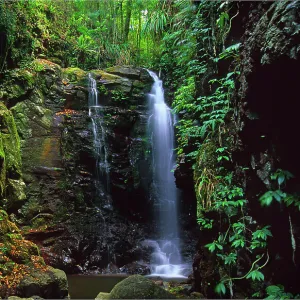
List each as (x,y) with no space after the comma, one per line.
(268,115)
(77,227)
(12,187)
(138,287)
(23,271)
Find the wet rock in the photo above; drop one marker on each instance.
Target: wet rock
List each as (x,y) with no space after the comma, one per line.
(136,268)
(159,282)
(112,269)
(138,287)
(125,71)
(113,81)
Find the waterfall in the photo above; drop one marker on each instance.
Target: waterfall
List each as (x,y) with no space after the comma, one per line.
(166,258)
(100,144)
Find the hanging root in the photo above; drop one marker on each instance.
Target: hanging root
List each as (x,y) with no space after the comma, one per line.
(293,241)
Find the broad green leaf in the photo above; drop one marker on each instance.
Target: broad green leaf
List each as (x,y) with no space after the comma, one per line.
(281,179)
(220,288)
(256,275)
(266,198)
(219,246)
(211,247)
(273,289)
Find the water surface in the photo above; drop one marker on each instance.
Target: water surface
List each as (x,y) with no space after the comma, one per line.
(89,286)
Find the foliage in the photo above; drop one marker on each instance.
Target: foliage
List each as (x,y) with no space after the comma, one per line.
(241,235)
(280,177)
(86,34)
(277,292)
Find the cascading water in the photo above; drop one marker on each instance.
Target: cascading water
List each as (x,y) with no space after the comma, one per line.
(166,258)
(96,114)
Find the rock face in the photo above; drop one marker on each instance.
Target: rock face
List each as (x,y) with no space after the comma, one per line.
(138,287)
(268,107)
(49,284)
(12,187)
(62,205)
(266,115)
(23,270)
(77,227)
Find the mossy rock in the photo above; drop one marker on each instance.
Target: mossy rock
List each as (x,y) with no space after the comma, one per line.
(23,250)
(44,64)
(205,175)
(24,269)
(31,117)
(6,226)
(102,296)
(16,192)
(19,298)
(75,76)
(139,287)
(10,140)
(207,157)
(50,284)
(125,71)
(115,82)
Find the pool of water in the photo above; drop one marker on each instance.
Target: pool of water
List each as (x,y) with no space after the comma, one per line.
(89,286)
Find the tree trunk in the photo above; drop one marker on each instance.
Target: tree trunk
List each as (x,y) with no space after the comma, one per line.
(127,20)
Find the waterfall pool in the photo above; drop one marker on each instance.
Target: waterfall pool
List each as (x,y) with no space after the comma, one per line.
(89,286)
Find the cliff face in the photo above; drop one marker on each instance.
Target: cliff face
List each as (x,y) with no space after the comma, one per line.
(268,108)
(64,206)
(66,211)
(20,262)
(262,131)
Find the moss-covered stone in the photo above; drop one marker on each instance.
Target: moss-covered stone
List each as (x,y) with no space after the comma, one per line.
(6,227)
(10,140)
(16,192)
(139,287)
(10,157)
(23,272)
(19,298)
(207,157)
(125,71)
(44,65)
(51,283)
(74,75)
(116,82)
(204,175)
(102,296)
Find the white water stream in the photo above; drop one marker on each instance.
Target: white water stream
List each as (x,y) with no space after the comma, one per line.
(166,259)
(96,114)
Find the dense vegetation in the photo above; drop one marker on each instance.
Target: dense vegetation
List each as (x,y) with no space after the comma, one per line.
(192,44)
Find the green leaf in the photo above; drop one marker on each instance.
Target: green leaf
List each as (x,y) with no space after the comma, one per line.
(280,179)
(230,259)
(220,288)
(267,198)
(256,275)
(219,246)
(273,289)
(278,195)
(238,243)
(211,247)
